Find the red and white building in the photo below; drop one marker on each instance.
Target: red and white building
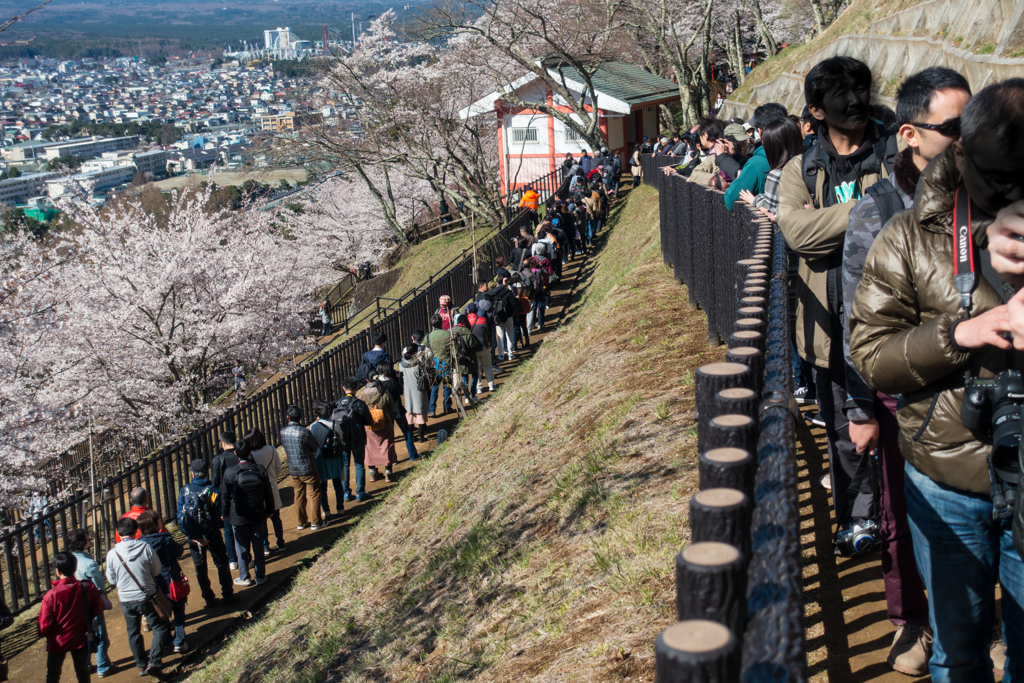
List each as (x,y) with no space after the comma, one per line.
(533,144)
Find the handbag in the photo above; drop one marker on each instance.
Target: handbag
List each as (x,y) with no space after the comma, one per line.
(180,589)
(161,605)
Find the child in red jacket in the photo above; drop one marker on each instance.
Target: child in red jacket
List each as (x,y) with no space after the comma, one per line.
(67,611)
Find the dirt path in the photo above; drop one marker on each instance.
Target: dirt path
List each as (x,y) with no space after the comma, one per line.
(205,628)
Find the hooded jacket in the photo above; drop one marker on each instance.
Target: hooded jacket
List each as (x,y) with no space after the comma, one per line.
(167,551)
(900,342)
(751,178)
(143,563)
(817,236)
(530,200)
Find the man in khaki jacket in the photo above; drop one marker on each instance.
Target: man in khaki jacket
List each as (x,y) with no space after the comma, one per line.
(849,156)
(916,334)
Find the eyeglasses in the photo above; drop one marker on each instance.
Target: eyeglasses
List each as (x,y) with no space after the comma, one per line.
(949,128)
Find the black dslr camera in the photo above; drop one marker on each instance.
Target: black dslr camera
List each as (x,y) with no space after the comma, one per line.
(992,409)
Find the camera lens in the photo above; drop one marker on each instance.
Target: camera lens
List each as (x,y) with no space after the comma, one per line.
(1006,436)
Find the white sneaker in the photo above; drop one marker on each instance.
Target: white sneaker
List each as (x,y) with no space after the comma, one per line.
(234,565)
(243,582)
(300,527)
(465,401)
(313,527)
(490,386)
(479,389)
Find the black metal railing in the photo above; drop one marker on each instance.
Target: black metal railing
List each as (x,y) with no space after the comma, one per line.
(739,583)
(27,546)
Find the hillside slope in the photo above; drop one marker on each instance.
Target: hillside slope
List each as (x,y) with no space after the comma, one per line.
(538,542)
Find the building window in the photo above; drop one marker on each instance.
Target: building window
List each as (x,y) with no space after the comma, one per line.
(524,136)
(572,136)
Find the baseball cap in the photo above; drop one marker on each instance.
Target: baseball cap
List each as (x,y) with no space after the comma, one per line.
(735,132)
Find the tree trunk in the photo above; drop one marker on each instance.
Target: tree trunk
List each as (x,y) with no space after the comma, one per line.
(727,468)
(819,17)
(767,39)
(722,516)
(737,48)
(711,583)
(697,651)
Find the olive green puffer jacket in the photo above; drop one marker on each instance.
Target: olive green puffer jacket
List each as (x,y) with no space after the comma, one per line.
(900,343)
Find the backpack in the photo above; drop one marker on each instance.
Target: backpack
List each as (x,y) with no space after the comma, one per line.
(504,308)
(364,371)
(249,483)
(884,151)
(378,418)
(195,519)
(333,445)
(342,416)
(887,199)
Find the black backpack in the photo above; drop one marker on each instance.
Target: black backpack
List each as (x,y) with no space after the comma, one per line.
(342,416)
(333,445)
(249,491)
(505,307)
(196,519)
(887,199)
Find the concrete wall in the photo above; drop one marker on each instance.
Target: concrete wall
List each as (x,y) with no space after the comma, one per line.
(974,37)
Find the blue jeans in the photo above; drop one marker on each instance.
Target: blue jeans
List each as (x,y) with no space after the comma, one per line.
(403,424)
(229,542)
(592,227)
(961,554)
(249,546)
(179,622)
(349,458)
(102,656)
(538,307)
(447,401)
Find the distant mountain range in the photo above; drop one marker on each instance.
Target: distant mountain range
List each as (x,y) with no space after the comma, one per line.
(70,29)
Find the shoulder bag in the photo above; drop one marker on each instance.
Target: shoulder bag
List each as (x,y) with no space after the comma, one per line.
(161,605)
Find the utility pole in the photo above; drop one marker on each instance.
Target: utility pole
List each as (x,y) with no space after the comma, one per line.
(353,31)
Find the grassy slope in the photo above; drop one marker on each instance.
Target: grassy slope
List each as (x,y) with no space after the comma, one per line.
(856,19)
(538,543)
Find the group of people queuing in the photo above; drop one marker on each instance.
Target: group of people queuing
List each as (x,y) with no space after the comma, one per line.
(906,228)
(228,509)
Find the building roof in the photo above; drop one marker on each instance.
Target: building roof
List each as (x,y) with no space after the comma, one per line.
(620,87)
(624,82)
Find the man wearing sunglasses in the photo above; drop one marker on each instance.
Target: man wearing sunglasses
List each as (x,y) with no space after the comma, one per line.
(927,312)
(928,109)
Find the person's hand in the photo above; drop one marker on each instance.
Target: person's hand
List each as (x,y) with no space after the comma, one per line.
(747,196)
(1005,244)
(1015,312)
(864,435)
(983,330)
(768,213)
(808,205)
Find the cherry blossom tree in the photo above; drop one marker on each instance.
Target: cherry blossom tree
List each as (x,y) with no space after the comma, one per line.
(405,131)
(29,403)
(153,314)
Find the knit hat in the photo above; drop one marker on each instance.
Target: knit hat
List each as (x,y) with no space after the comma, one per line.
(445,300)
(483,305)
(472,308)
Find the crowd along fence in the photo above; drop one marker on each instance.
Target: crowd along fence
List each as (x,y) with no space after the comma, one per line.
(71,468)
(739,598)
(28,546)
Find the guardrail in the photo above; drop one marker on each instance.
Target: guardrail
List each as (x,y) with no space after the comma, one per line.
(26,548)
(739,590)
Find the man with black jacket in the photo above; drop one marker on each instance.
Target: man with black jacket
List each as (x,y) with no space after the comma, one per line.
(355,413)
(369,361)
(505,308)
(223,460)
(246,497)
(209,541)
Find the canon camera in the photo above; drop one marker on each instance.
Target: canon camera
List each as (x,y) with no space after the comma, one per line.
(992,409)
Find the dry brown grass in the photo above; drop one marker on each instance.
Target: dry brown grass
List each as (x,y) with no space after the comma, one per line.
(856,19)
(538,543)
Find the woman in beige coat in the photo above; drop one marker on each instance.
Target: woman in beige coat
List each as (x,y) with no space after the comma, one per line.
(266,455)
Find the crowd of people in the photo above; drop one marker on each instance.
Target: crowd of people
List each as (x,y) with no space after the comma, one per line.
(906,230)
(230,505)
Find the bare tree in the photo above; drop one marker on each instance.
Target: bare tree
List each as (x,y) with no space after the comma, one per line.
(561,44)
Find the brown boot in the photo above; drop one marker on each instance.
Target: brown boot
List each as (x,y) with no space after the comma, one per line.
(911,649)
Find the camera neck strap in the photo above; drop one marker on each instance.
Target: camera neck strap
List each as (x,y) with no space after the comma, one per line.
(967,260)
(964,272)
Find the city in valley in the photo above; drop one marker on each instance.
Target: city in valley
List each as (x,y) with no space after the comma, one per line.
(103,126)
